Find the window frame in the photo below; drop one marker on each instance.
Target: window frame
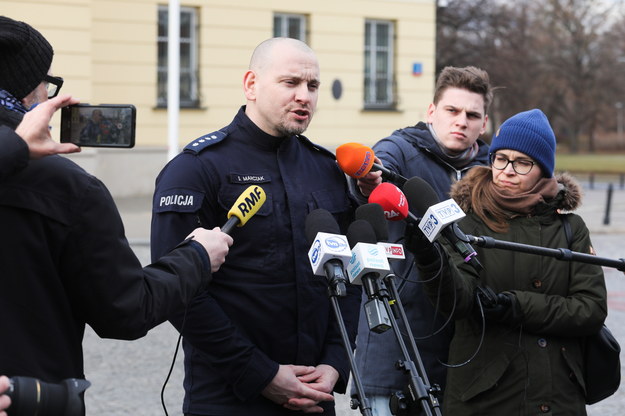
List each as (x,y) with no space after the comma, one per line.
(190,71)
(282,30)
(371,54)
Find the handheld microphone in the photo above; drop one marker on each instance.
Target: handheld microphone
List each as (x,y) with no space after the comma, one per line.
(375,215)
(246,205)
(440,218)
(329,252)
(393,202)
(356,160)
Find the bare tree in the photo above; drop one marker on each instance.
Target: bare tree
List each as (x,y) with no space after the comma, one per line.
(556,55)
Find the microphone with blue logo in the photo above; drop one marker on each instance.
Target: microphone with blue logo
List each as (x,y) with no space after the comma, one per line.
(329,255)
(329,251)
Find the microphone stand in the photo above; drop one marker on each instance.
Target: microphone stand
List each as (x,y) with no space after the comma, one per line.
(558,253)
(419,388)
(336,289)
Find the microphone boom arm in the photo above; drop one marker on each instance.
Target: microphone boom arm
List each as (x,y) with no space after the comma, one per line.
(558,253)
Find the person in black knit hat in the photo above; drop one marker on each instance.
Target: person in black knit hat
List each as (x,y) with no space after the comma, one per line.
(65,261)
(25,59)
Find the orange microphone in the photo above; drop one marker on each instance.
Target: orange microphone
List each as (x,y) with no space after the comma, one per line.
(356,160)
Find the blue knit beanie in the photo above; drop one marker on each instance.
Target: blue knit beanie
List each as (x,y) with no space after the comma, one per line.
(528,132)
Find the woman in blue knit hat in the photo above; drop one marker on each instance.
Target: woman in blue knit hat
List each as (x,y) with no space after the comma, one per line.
(530,359)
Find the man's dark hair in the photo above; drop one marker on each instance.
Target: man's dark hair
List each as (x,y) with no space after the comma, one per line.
(468,78)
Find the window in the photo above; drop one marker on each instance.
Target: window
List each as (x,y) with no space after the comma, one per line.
(379,71)
(290,26)
(189,67)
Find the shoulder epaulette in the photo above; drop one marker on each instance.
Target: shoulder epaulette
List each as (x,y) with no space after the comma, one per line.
(315,146)
(201,143)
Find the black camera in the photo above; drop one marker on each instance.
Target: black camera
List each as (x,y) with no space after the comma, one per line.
(30,397)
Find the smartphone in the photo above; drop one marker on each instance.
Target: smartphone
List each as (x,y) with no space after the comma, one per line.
(104,125)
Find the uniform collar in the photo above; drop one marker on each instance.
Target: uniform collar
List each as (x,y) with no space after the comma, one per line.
(258,137)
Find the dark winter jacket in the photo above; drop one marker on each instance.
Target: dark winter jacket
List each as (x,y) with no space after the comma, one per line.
(65,262)
(411,151)
(534,366)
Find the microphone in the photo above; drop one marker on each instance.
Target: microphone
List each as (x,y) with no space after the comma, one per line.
(329,252)
(368,263)
(440,218)
(356,160)
(246,205)
(393,202)
(368,259)
(374,214)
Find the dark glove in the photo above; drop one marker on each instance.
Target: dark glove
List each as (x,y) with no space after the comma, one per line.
(416,242)
(502,307)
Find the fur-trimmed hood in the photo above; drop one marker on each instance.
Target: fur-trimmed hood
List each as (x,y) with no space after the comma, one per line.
(568,199)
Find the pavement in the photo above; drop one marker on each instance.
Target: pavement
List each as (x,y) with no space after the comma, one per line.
(127,376)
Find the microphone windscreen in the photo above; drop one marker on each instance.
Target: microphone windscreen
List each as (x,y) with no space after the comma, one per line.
(360,231)
(320,221)
(247,204)
(420,195)
(392,199)
(355,159)
(374,215)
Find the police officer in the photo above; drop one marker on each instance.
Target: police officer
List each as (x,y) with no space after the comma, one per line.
(262,340)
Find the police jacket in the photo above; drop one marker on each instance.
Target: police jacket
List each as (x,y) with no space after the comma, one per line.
(264,307)
(65,262)
(411,151)
(536,365)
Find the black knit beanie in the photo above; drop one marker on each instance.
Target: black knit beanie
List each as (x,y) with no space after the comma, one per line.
(25,57)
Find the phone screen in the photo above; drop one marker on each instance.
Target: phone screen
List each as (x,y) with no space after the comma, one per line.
(105,125)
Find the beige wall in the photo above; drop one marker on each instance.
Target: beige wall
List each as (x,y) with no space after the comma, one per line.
(106,52)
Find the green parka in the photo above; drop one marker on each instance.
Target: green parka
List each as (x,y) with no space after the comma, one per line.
(535,367)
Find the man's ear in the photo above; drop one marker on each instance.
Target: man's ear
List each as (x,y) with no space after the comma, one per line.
(483,130)
(249,85)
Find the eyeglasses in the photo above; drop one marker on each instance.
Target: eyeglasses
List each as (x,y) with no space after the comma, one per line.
(53,85)
(520,166)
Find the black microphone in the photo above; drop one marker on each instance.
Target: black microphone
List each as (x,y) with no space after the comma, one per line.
(329,252)
(439,218)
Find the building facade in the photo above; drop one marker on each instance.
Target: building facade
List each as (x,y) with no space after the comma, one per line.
(377,61)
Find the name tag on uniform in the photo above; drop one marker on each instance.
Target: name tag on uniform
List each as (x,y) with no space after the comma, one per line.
(248,178)
(178,200)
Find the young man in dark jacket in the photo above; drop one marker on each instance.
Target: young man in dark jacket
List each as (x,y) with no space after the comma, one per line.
(65,261)
(440,151)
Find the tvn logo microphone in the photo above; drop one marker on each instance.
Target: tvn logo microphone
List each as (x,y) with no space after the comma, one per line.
(326,247)
(438,217)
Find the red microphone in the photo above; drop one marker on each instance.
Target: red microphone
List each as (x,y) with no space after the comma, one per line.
(356,160)
(392,200)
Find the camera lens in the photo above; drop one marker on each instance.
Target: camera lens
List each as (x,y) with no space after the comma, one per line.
(30,397)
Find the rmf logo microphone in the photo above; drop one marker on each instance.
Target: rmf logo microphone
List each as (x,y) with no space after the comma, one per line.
(246,205)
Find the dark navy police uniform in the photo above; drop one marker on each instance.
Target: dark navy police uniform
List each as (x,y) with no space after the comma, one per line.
(264,307)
